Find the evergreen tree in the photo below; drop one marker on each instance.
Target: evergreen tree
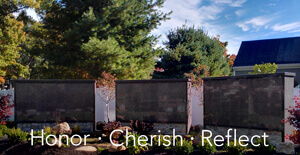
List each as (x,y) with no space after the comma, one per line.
(189,48)
(84,38)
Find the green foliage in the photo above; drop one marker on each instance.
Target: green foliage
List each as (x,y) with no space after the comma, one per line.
(189,48)
(100,149)
(16,135)
(11,36)
(185,148)
(264,68)
(76,130)
(3,130)
(39,133)
(48,129)
(235,149)
(81,39)
(158,146)
(137,149)
(262,149)
(66,142)
(206,148)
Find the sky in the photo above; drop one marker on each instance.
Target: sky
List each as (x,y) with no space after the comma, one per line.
(234,20)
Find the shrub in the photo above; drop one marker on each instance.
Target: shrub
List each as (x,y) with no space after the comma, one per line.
(3,130)
(293,119)
(195,130)
(137,149)
(206,148)
(5,108)
(100,125)
(235,150)
(186,148)
(66,142)
(144,128)
(16,135)
(161,147)
(36,141)
(76,130)
(48,129)
(262,149)
(109,127)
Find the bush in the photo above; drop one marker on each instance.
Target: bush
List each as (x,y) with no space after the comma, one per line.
(3,130)
(137,149)
(144,128)
(186,148)
(16,135)
(109,127)
(206,148)
(76,130)
(161,147)
(262,149)
(100,125)
(293,119)
(235,150)
(48,129)
(39,133)
(5,108)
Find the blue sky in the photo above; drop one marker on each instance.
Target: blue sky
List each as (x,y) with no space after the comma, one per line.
(235,20)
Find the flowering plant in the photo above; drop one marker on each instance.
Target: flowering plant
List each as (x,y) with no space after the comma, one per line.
(294,119)
(5,108)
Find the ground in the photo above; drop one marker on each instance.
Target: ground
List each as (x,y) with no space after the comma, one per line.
(24,148)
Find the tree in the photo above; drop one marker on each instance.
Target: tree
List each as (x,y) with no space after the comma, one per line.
(187,49)
(5,108)
(11,36)
(81,39)
(106,84)
(263,68)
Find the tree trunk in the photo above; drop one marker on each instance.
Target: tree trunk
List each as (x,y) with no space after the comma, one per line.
(107,107)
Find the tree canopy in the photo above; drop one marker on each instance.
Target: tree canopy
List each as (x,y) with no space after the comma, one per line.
(189,48)
(84,38)
(11,36)
(79,39)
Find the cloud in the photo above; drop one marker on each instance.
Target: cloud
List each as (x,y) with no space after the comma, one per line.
(291,27)
(221,1)
(33,14)
(294,31)
(201,15)
(30,12)
(271,4)
(210,12)
(244,26)
(240,13)
(238,3)
(256,23)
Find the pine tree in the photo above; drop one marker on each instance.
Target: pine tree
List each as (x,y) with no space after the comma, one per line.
(85,38)
(189,48)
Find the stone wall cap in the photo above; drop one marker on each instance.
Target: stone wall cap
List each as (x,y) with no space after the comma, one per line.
(153,81)
(286,74)
(54,81)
